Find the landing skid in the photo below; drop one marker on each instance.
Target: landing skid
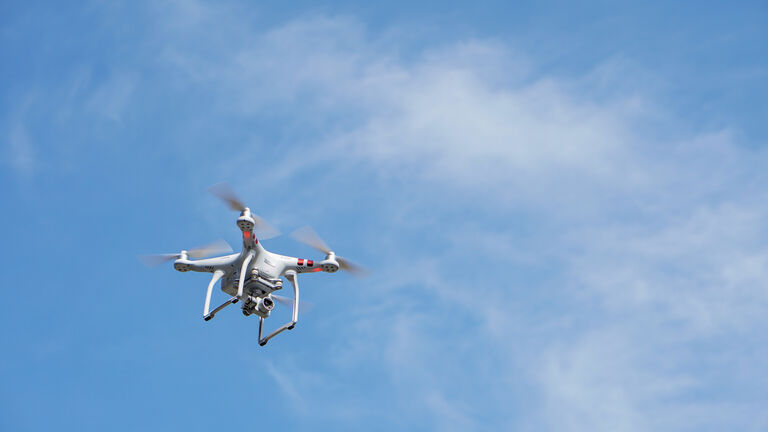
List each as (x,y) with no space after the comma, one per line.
(231,301)
(294,316)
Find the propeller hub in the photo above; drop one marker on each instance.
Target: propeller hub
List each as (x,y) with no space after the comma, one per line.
(247,220)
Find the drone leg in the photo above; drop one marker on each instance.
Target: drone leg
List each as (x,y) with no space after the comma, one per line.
(216,276)
(232,300)
(243,269)
(294,317)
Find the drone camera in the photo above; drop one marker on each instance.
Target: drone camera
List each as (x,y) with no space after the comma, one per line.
(261,306)
(266,304)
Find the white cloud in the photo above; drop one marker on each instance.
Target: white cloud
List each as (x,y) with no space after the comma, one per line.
(449,415)
(287,386)
(111,98)
(21,151)
(707,267)
(468,113)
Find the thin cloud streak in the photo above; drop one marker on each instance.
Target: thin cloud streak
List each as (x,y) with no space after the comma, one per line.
(21,151)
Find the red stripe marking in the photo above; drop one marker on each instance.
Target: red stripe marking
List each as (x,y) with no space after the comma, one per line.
(301,261)
(316,270)
(310,263)
(247,234)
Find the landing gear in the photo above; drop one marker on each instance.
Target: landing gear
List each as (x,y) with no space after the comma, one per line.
(291,276)
(210,316)
(218,274)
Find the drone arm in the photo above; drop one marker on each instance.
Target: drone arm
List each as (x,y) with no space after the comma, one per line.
(301,265)
(216,276)
(291,276)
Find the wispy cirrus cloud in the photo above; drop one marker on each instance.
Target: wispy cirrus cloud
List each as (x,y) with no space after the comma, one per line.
(111,97)
(21,152)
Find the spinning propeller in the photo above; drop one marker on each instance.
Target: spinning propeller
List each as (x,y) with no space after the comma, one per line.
(217,247)
(285,301)
(309,237)
(225,193)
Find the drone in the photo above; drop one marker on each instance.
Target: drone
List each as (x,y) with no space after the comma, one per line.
(253,275)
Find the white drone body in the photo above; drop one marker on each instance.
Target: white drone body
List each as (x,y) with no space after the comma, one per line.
(254,274)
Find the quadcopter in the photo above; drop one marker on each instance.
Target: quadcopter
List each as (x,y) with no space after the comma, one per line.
(253,275)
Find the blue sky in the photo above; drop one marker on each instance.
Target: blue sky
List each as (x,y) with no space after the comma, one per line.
(564,208)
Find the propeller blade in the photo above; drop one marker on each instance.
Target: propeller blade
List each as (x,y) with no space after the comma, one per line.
(264,230)
(215,248)
(353,269)
(157,259)
(225,193)
(309,237)
(285,301)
